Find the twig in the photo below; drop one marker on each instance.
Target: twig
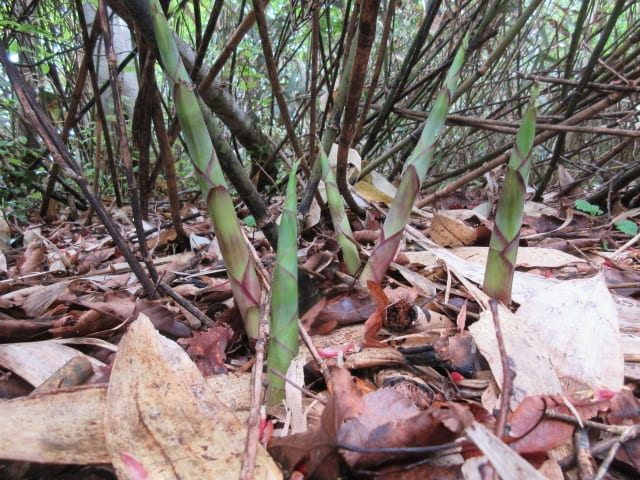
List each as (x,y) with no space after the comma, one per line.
(260,270)
(592,85)
(253,424)
(615,429)
(62,156)
(305,391)
(507,373)
(314,353)
(604,466)
(511,126)
(581,116)
(584,459)
(625,246)
(604,446)
(184,303)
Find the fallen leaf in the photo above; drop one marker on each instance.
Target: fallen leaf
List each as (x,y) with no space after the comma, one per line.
(208,348)
(527,355)
(577,322)
(31,260)
(160,412)
(162,318)
(453,228)
(75,434)
(536,433)
(375,321)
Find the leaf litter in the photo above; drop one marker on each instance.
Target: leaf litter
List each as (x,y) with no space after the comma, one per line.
(409,382)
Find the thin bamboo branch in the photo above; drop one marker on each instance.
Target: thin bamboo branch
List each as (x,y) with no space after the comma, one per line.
(121,134)
(577,93)
(275,81)
(604,87)
(409,62)
(366,34)
(62,156)
(579,117)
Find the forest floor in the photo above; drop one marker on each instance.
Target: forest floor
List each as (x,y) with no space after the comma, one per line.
(421,377)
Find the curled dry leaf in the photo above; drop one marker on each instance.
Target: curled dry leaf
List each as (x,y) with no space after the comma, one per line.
(31,260)
(326,315)
(208,348)
(376,320)
(80,324)
(161,317)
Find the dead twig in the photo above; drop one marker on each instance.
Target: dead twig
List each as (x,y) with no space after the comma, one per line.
(305,391)
(314,353)
(507,373)
(253,424)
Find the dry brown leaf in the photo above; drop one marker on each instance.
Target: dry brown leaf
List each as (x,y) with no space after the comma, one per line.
(82,323)
(162,317)
(208,348)
(31,260)
(163,420)
(452,228)
(535,433)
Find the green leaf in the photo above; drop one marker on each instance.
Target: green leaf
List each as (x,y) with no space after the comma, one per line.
(628,227)
(249,221)
(587,207)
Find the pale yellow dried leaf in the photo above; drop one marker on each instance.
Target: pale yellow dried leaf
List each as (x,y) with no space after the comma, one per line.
(162,416)
(527,256)
(577,322)
(504,459)
(60,427)
(527,355)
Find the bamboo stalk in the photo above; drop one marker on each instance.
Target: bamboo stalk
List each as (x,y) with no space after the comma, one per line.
(242,276)
(283,326)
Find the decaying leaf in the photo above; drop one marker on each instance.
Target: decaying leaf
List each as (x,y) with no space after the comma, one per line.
(74,434)
(161,413)
(383,418)
(342,310)
(453,228)
(527,355)
(534,433)
(377,318)
(208,348)
(31,260)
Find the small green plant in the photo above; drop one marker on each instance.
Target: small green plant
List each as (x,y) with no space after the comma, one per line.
(587,207)
(628,227)
(250,221)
